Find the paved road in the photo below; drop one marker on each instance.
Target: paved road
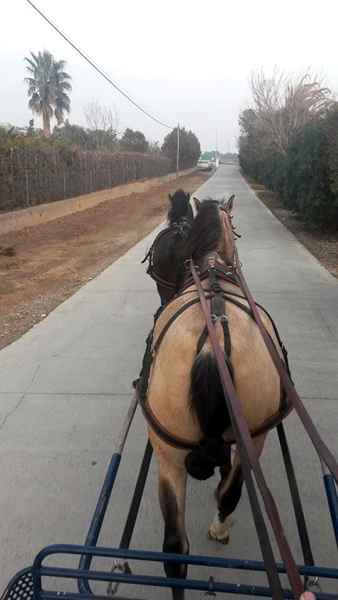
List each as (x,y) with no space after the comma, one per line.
(66,385)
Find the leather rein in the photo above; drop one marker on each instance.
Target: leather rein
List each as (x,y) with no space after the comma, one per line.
(217,297)
(242,436)
(249,458)
(292,400)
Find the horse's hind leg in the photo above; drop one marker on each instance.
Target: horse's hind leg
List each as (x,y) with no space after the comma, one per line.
(229,493)
(172,495)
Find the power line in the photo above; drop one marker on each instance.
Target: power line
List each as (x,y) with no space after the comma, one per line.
(96,67)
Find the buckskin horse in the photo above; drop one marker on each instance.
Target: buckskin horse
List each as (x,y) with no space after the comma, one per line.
(165,265)
(180,388)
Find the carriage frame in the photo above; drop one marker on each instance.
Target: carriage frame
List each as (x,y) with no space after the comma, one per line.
(28,583)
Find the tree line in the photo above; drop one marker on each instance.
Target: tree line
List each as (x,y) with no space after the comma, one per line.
(208,155)
(49,87)
(289,143)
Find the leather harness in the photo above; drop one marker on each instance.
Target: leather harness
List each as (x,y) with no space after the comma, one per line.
(249,459)
(217,297)
(181,228)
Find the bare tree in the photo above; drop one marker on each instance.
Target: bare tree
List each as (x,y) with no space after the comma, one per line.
(283,103)
(103,123)
(154,147)
(101,117)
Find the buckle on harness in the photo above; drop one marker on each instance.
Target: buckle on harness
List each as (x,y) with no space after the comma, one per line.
(215,287)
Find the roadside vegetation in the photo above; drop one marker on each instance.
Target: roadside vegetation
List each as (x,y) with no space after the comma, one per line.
(289,144)
(67,159)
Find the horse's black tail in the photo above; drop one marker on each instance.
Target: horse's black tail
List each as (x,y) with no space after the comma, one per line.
(208,403)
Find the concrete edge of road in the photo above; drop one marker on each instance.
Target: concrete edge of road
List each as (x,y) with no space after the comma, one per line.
(304,248)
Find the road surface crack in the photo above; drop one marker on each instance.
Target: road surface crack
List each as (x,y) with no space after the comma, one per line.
(79,337)
(23,395)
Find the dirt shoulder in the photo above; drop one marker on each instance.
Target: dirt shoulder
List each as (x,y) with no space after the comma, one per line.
(51,261)
(323,245)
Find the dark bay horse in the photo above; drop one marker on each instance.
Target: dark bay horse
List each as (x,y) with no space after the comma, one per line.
(165,265)
(185,396)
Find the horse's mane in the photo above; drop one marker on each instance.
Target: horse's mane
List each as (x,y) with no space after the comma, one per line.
(205,233)
(179,206)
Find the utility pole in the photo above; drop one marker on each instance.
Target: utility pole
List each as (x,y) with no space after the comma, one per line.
(216,156)
(178,152)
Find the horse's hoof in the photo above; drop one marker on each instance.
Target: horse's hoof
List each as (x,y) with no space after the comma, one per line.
(223,541)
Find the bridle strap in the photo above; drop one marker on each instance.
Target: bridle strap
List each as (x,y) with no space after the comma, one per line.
(178,228)
(250,462)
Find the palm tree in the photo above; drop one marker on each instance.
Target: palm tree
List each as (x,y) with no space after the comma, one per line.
(47,87)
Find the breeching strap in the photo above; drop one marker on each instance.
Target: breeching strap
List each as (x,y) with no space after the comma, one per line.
(250,462)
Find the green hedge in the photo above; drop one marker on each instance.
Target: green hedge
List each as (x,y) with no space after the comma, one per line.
(306,179)
(31,175)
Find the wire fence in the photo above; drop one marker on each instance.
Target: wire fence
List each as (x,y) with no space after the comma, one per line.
(30,176)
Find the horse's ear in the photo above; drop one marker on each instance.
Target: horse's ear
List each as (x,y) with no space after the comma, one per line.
(198,204)
(230,204)
(170,197)
(188,197)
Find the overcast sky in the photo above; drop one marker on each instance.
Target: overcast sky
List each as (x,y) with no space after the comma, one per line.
(184,61)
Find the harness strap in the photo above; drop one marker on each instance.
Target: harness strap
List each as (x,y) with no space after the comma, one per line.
(250,462)
(160,430)
(224,275)
(166,284)
(217,307)
(149,254)
(179,229)
(172,319)
(141,384)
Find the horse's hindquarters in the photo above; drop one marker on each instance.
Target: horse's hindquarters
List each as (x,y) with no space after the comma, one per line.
(255,377)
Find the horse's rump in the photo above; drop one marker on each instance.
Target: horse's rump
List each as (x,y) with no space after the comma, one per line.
(179,374)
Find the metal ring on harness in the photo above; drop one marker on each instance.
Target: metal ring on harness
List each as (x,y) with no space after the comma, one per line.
(124,568)
(188,263)
(312,585)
